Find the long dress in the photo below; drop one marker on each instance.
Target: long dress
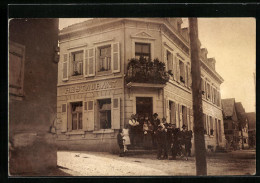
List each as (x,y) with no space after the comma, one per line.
(148,130)
(126,136)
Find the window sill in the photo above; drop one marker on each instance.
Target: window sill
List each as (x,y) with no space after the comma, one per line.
(76,77)
(103,131)
(79,132)
(104,73)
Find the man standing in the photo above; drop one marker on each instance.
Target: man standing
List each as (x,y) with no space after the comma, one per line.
(133,128)
(155,122)
(175,141)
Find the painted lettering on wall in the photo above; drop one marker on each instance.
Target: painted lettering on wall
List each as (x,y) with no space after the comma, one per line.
(91,87)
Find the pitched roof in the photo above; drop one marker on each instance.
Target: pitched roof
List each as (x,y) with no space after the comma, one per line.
(251,116)
(228,106)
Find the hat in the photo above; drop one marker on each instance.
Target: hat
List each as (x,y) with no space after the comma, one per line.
(164,119)
(133,115)
(120,130)
(184,126)
(155,114)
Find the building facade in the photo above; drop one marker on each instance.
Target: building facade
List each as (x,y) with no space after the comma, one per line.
(251,116)
(98,89)
(235,124)
(33,69)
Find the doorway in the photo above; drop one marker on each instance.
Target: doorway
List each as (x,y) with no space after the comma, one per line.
(144,106)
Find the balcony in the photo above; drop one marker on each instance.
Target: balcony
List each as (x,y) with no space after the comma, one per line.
(147,72)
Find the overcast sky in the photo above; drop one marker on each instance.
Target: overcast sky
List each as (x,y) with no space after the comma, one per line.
(232,41)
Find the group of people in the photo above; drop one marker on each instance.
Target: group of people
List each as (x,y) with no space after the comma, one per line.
(155,133)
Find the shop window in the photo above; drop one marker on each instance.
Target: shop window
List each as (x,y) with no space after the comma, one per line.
(104,112)
(16,69)
(143,50)
(77,63)
(76,115)
(104,58)
(182,71)
(245,141)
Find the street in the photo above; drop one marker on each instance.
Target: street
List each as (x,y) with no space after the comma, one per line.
(77,163)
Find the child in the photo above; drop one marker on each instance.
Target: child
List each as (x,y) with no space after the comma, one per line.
(120,142)
(126,138)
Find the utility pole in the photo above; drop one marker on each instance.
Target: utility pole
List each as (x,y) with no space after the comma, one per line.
(199,141)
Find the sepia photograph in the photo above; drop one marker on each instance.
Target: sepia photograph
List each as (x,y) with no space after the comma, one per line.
(148,96)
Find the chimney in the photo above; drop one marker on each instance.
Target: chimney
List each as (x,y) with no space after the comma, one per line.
(185,33)
(212,62)
(204,53)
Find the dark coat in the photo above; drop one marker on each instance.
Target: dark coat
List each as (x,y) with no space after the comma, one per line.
(120,140)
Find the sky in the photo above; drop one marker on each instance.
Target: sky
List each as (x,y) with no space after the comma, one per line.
(232,42)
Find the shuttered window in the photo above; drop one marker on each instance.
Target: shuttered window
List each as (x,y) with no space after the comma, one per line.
(116,57)
(65,67)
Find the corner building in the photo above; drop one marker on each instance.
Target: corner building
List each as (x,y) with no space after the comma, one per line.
(94,99)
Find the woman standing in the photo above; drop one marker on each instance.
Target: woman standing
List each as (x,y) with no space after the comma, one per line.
(148,131)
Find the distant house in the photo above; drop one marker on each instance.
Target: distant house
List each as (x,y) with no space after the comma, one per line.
(242,125)
(235,124)
(231,129)
(251,116)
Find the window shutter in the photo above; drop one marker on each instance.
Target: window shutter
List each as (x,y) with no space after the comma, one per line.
(177,69)
(65,67)
(186,75)
(167,110)
(189,77)
(90,115)
(180,116)
(165,59)
(177,115)
(115,124)
(85,63)
(115,57)
(85,116)
(91,62)
(174,68)
(188,118)
(64,118)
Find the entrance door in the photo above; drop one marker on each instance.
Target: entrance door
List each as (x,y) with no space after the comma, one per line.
(144,105)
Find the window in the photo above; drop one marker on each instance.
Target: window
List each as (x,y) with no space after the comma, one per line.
(182,71)
(104,112)
(172,112)
(205,123)
(77,62)
(104,58)
(16,69)
(208,91)
(211,126)
(143,50)
(76,115)
(169,60)
(184,115)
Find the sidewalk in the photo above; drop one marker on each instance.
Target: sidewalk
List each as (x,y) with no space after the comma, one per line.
(105,164)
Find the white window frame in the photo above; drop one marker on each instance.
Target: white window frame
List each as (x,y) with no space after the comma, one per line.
(141,40)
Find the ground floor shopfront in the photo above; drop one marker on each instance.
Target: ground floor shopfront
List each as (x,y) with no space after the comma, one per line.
(90,114)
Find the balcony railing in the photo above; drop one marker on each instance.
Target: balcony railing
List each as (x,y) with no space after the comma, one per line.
(146,71)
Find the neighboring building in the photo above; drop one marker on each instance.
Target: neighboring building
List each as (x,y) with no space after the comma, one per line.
(235,124)
(231,127)
(32,94)
(242,124)
(251,116)
(98,89)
